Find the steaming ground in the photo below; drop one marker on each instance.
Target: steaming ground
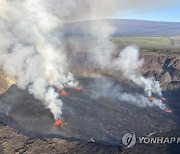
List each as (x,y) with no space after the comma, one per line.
(103,119)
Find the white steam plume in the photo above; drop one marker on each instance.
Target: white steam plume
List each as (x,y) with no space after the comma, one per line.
(30,50)
(107,88)
(129,63)
(33,54)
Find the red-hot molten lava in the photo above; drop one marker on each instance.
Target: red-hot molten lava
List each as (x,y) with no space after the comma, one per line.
(169,111)
(59,123)
(151,99)
(64,93)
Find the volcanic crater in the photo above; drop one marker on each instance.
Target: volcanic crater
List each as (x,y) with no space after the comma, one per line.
(103,119)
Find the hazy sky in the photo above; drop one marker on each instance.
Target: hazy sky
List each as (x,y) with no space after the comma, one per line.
(171,14)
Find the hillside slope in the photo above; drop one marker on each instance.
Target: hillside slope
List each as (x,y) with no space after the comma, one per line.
(124,27)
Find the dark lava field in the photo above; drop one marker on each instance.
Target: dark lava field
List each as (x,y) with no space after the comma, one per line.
(102,119)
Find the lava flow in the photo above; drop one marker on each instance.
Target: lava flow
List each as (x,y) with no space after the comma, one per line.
(151,99)
(169,111)
(64,93)
(59,123)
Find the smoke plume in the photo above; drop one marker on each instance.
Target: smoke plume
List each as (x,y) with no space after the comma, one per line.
(31,52)
(129,63)
(108,88)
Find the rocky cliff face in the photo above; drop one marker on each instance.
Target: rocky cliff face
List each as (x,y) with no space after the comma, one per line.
(165,69)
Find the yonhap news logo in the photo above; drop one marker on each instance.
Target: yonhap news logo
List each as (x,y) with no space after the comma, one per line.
(130,139)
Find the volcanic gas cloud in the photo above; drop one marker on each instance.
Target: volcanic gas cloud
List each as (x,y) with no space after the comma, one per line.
(32,50)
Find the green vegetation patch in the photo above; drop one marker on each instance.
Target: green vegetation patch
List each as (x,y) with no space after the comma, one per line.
(143,41)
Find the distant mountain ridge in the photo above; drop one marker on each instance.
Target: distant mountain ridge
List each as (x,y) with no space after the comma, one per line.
(125,27)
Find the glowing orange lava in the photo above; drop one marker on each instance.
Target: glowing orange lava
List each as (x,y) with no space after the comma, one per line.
(169,111)
(151,99)
(59,123)
(64,93)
